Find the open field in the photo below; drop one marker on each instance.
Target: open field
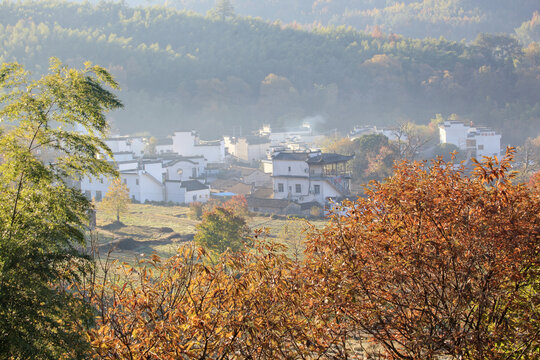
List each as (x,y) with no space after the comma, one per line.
(161,229)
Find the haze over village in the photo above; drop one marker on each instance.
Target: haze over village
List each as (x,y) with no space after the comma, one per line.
(270,179)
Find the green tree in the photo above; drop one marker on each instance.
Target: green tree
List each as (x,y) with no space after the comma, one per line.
(117,198)
(221,230)
(42,217)
(223,9)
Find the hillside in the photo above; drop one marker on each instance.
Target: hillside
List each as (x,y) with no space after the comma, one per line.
(179,70)
(453,19)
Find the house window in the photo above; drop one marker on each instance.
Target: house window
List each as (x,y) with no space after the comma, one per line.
(317,189)
(101,180)
(280,187)
(136,181)
(194,197)
(298,188)
(125,181)
(88,194)
(180,171)
(289,169)
(194,172)
(98,196)
(480,147)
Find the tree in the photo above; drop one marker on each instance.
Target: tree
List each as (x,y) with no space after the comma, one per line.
(435,264)
(117,198)
(249,305)
(42,218)
(223,9)
(221,230)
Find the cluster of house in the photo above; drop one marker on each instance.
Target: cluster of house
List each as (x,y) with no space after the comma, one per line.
(278,170)
(182,169)
(474,140)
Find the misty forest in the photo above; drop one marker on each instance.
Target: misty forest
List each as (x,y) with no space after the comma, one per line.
(270,179)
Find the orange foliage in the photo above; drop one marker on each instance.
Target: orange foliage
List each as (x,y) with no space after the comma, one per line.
(434,263)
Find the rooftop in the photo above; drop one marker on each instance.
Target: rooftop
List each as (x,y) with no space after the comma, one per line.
(193,185)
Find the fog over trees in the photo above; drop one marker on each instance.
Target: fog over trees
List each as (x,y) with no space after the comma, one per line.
(180,70)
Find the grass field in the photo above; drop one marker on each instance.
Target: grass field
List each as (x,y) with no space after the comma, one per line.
(161,229)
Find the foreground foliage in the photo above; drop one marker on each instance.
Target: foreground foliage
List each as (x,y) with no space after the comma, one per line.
(433,263)
(42,216)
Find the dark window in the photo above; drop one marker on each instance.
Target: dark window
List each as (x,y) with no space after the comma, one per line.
(317,189)
(137,181)
(480,147)
(101,181)
(125,181)
(98,195)
(194,197)
(298,188)
(194,172)
(88,194)
(280,187)
(289,169)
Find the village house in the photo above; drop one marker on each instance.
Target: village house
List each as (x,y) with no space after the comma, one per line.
(310,176)
(477,141)
(173,179)
(188,143)
(127,144)
(249,149)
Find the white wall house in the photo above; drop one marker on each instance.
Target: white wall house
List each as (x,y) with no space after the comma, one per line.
(127,144)
(310,176)
(186,192)
(250,149)
(148,180)
(479,141)
(188,143)
(484,142)
(185,168)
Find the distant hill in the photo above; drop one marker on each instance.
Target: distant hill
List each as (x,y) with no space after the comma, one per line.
(453,19)
(180,70)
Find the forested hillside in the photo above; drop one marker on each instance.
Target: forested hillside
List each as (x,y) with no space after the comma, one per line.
(453,19)
(180,70)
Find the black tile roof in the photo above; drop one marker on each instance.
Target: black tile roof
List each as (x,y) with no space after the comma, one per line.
(193,185)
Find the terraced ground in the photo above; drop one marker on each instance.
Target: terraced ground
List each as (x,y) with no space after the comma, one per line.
(148,229)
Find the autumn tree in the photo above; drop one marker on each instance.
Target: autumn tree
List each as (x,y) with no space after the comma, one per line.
(117,198)
(221,230)
(436,264)
(42,217)
(247,305)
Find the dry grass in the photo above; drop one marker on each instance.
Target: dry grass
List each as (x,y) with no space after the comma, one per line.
(161,229)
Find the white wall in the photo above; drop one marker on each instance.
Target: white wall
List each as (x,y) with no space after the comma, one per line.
(91,185)
(452,132)
(174,192)
(488,145)
(150,189)
(155,169)
(186,143)
(298,168)
(197,196)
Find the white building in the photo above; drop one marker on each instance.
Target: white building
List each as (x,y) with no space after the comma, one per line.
(127,144)
(173,179)
(310,176)
(249,149)
(294,135)
(478,141)
(188,143)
